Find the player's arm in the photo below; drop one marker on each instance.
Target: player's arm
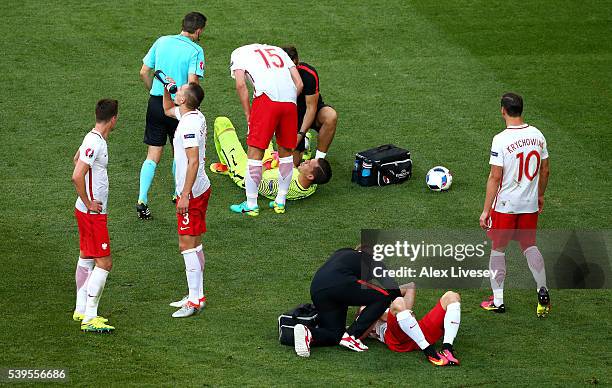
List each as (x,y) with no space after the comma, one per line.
(146,75)
(543,182)
(76,157)
(168,104)
(311,112)
(193,163)
(495,177)
(78,179)
(193,78)
(243,92)
(297,80)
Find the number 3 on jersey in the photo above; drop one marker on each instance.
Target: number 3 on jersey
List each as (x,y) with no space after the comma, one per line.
(186,219)
(524,165)
(273,56)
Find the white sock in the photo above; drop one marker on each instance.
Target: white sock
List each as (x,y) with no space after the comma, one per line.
(452,319)
(285,173)
(320,155)
(202,260)
(95,286)
(411,327)
(536,265)
(83,270)
(193,271)
(497,262)
(251,181)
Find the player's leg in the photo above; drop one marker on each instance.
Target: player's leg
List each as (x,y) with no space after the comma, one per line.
(98,247)
(502,229)
(155,139)
(230,151)
(270,157)
(147,173)
(221,125)
(326,121)
(286,138)
(451,303)
(407,322)
(375,299)
(262,122)
(202,260)
(95,286)
(330,327)
(202,208)
(527,225)
(191,226)
(193,272)
(85,265)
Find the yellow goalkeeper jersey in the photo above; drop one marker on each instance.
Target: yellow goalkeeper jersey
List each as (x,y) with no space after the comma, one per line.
(268,187)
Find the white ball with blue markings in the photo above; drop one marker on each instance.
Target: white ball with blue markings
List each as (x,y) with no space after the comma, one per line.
(439,178)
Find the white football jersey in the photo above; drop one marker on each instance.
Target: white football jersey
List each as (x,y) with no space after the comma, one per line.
(520,151)
(268,70)
(94,152)
(190,132)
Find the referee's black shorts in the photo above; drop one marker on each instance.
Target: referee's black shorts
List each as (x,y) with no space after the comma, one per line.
(159,127)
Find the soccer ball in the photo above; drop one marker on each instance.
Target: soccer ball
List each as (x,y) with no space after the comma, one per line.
(439,178)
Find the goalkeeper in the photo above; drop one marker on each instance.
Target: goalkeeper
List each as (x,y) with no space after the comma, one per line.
(233,162)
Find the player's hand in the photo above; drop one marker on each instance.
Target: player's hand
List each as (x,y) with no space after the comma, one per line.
(485,219)
(540,203)
(94,206)
(182,205)
(170,80)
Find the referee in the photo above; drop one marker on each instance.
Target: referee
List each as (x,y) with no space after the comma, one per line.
(343,281)
(181,58)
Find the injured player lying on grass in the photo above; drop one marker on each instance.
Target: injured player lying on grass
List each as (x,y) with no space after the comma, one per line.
(233,162)
(400,331)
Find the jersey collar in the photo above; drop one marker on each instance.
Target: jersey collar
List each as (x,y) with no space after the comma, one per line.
(522,126)
(97,133)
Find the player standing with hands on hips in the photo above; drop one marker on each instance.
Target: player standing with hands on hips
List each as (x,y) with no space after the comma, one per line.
(90,180)
(193,188)
(276,83)
(182,59)
(514,199)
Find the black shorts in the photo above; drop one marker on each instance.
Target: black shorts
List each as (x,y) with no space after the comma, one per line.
(159,127)
(302,144)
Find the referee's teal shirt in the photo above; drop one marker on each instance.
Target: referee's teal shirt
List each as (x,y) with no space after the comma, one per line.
(177,56)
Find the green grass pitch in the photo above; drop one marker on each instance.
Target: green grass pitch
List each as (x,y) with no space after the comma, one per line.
(426,75)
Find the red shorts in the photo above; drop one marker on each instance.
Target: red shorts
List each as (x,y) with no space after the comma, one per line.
(93,234)
(271,117)
(519,227)
(432,326)
(193,223)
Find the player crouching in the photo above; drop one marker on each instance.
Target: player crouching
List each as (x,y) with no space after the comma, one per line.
(400,331)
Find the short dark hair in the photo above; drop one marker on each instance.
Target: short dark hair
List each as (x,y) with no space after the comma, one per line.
(323,173)
(194,94)
(192,21)
(513,104)
(106,109)
(291,51)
